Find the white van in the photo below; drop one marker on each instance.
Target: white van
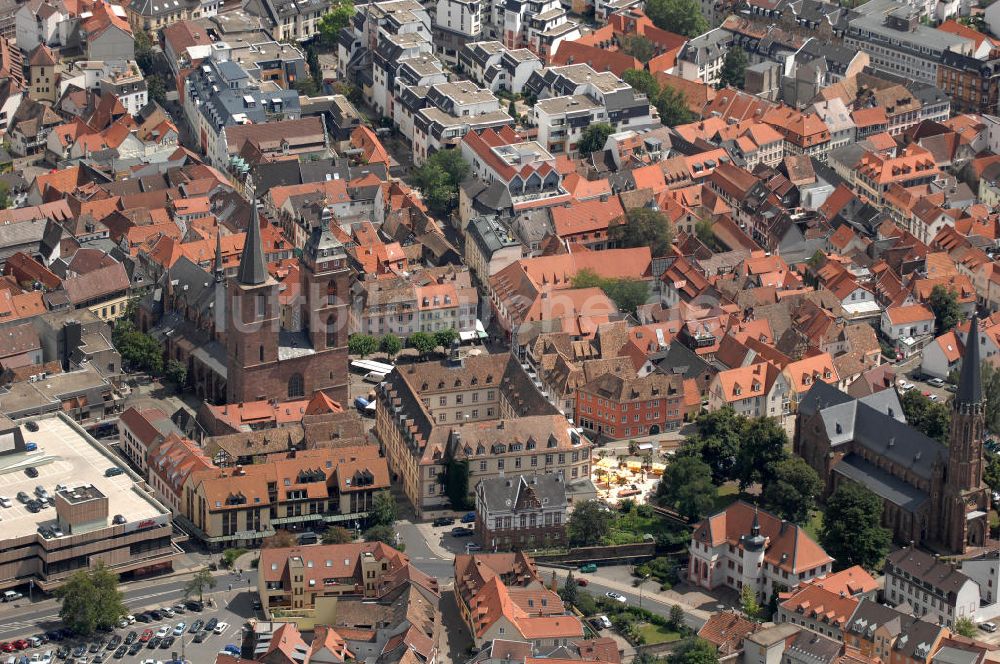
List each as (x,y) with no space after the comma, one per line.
(374,377)
(10,596)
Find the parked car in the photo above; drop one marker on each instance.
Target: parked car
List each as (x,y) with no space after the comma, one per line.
(618,597)
(600,622)
(113,471)
(988,627)
(201,636)
(31,472)
(196,626)
(221,627)
(11,596)
(31,426)
(30,447)
(121,652)
(211,624)
(936,382)
(469,517)
(146,635)
(589,568)
(462,532)
(443,521)
(163,631)
(5,502)
(179,628)
(582,581)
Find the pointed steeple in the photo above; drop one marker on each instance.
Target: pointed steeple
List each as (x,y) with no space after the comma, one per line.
(253,267)
(970,384)
(220,272)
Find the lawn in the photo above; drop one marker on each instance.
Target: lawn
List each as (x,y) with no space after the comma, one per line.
(631,527)
(812,527)
(657,634)
(725,496)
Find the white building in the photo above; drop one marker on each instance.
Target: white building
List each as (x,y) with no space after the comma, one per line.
(741,546)
(936,590)
(910,321)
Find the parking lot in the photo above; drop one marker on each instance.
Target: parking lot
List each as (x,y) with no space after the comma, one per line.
(231,609)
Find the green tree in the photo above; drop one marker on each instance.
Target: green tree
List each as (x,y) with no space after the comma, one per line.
(337,535)
(791,492)
(734,68)
(445,337)
(762,447)
(682,17)
(438,179)
(643,227)
(315,68)
(5,200)
(456,483)
(931,418)
(143,51)
(676,618)
(90,600)
(570,591)
(139,351)
(717,441)
(333,21)
(748,602)
(639,47)
(944,303)
(306,87)
(991,472)
(687,487)
(156,89)
(390,345)
(594,137)
(589,523)
(281,539)
(703,230)
(642,81)
(383,512)
(384,534)
(694,650)
(176,372)
(673,107)
(229,557)
(626,293)
(965,627)
(361,344)
(512,109)
(423,342)
(197,584)
(852,529)
(991,392)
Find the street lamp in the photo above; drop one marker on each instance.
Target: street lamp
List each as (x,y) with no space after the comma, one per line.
(642,582)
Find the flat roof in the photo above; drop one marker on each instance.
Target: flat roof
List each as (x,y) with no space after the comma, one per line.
(68,456)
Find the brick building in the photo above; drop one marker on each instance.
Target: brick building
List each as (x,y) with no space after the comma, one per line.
(617,407)
(270,356)
(521,512)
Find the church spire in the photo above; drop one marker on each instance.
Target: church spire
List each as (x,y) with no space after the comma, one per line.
(220,272)
(253,267)
(970,384)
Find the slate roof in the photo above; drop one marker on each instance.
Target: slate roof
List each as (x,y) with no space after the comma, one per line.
(504,493)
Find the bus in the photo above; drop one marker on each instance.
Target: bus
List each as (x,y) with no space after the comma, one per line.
(370,366)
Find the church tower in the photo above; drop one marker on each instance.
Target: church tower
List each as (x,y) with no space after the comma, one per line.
(965,498)
(252,322)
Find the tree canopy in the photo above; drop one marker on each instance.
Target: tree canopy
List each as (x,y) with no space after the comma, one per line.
(390,344)
(717,441)
(762,447)
(90,600)
(639,47)
(337,535)
(456,483)
(734,68)
(594,137)
(670,102)
(589,523)
(932,418)
(384,534)
(199,583)
(626,293)
(438,179)
(643,227)
(852,531)
(791,493)
(694,650)
(687,487)
(423,342)
(281,539)
(991,392)
(383,512)
(682,17)
(139,351)
(361,344)
(334,20)
(445,337)
(944,303)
